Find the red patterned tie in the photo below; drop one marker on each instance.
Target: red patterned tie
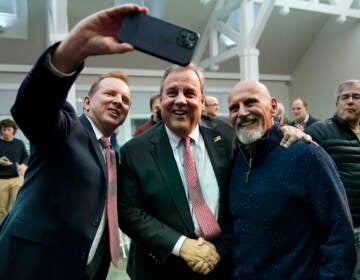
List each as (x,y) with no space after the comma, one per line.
(112,201)
(207,222)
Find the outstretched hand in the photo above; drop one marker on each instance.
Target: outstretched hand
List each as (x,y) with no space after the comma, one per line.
(94,35)
(293,134)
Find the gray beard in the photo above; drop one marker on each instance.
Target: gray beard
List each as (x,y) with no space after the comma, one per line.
(248,136)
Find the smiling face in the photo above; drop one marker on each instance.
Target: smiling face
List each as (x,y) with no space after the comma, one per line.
(108,105)
(181,101)
(251,110)
(299,110)
(348,104)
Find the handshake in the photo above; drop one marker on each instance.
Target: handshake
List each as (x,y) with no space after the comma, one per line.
(200,255)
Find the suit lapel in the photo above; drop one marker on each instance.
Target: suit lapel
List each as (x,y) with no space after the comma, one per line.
(94,142)
(168,169)
(215,146)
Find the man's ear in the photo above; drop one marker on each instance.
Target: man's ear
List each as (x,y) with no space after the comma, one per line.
(274,106)
(86,103)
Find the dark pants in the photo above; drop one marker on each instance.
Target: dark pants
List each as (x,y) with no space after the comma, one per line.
(356,274)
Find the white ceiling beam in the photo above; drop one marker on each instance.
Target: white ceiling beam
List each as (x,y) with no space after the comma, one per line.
(214,47)
(246,21)
(58,29)
(333,8)
(224,11)
(57,20)
(260,22)
(204,39)
(251,28)
(228,31)
(225,55)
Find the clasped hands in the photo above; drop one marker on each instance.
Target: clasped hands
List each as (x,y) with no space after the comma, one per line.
(200,255)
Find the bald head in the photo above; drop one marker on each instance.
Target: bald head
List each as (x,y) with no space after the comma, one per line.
(251,110)
(254,87)
(211,106)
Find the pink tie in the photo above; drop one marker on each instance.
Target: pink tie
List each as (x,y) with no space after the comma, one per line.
(112,201)
(207,222)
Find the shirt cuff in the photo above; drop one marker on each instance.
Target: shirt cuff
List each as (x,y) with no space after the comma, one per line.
(176,250)
(53,69)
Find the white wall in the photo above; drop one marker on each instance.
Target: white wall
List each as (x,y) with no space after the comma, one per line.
(332,58)
(142,87)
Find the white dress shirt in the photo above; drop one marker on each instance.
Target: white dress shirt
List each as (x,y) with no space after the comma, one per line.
(208,182)
(101,227)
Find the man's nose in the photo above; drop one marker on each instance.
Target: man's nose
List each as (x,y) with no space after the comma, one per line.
(180,97)
(242,111)
(118,99)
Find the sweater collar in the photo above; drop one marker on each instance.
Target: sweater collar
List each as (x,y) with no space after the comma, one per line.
(266,143)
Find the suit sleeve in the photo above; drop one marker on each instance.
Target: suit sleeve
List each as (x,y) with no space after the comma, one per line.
(138,217)
(41,123)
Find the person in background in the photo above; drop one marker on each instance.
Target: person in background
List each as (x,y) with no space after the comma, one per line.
(211,106)
(280,115)
(13,164)
(155,115)
(211,109)
(289,211)
(302,118)
(61,225)
(340,137)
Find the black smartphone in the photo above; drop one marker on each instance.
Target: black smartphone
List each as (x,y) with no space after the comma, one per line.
(159,38)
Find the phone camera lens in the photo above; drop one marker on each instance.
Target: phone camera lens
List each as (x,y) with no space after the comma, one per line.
(187,39)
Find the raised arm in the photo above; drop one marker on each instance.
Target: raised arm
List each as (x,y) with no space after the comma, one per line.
(94,35)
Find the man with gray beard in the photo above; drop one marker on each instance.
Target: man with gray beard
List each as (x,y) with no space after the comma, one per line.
(289,211)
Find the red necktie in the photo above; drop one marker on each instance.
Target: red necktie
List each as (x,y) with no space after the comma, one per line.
(111,204)
(207,222)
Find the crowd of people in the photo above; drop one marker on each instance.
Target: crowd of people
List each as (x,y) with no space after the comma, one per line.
(200,197)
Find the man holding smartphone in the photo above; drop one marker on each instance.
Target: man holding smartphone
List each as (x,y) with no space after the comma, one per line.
(58,226)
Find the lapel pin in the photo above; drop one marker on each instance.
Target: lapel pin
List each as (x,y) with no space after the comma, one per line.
(217,138)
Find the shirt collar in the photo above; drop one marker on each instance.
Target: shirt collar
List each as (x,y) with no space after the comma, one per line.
(175,140)
(304,121)
(97,132)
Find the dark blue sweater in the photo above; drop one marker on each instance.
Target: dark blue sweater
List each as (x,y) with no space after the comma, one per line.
(290,214)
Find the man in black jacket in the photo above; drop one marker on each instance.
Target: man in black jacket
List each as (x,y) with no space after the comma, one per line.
(340,137)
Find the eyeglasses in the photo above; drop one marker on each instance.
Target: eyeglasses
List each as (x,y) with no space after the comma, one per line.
(346,96)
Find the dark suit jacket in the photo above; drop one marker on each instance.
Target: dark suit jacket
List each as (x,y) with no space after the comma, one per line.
(153,209)
(309,122)
(49,231)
